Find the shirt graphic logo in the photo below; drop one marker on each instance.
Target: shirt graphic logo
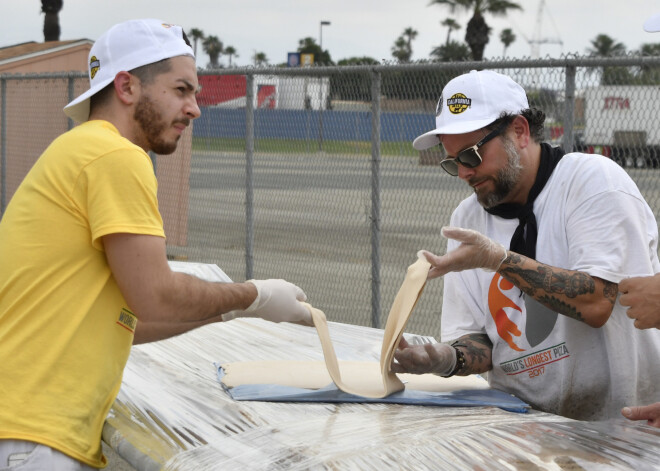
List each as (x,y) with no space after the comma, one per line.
(497,302)
(458,103)
(127,320)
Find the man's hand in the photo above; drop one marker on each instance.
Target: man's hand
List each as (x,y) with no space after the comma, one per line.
(649,413)
(276,301)
(642,295)
(437,358)
(476,251)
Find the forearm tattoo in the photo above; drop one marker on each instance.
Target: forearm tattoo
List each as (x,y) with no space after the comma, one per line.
(543,283)
(477,349)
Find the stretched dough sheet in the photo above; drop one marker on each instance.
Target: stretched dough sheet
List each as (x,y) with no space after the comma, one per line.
(366,379)
(361,375)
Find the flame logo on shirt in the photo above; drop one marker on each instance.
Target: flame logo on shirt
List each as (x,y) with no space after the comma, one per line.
(497,301)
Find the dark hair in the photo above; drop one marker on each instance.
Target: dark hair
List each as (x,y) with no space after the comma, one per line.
(146,74)
(535,118)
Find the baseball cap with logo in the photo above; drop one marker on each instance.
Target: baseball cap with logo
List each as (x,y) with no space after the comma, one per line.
(472,101)
(124,47)
(652,25)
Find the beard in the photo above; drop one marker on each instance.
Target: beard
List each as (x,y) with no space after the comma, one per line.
(153,126)
(506,179)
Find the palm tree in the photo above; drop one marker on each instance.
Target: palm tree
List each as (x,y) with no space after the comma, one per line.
(213,47)
(451,25)
(453,51)
(196,34)
(605,46)
(507,37)
(230,52)
(409,34)
(402,48)
(399,50)
(259,58)
(477,32)
(51,8)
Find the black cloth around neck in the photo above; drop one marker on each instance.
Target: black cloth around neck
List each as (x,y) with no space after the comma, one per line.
(524,237)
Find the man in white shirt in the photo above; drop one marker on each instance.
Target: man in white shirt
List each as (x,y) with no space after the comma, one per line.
(533,261)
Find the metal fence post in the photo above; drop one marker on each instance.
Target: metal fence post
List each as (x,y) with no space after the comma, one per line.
(249,181)
(3,145)
(375,198)
(569,109)
(71,124)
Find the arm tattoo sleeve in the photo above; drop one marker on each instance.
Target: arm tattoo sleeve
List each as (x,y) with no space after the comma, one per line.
(552,286)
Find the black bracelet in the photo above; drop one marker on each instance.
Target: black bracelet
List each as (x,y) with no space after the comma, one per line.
(460,362)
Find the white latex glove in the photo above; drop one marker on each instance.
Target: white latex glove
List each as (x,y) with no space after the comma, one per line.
(476,251)
(276,301)
(436,358)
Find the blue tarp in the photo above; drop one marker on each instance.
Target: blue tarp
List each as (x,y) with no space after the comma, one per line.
(330,393)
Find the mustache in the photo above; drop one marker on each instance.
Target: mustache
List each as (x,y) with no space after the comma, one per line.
(184,121)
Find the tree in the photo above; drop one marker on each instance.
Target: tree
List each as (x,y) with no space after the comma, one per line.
(230,52)
(478,31)
(451,25)
(364,60)
(213,47)
(196,34)
(507,37)
(402,49)
(410,34)
(453,51)
(51,9)
(309,46)
(259,59)
(605,46)
(649,74)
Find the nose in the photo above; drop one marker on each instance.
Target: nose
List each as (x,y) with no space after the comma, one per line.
(465,173)
(192,109)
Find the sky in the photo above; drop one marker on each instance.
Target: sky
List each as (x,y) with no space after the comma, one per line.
(357,27)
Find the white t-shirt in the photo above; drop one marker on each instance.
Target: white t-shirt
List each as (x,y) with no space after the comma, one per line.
(591,217)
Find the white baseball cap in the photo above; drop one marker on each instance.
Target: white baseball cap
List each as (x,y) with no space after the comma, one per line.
(124,47)
(472,101)
(652,24)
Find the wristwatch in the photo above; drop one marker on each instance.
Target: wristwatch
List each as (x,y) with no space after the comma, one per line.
(460,362)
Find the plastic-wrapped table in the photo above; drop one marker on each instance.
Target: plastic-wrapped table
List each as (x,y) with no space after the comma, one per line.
(173,414)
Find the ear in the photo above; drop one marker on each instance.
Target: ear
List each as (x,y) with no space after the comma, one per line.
(127,87)
(520,128)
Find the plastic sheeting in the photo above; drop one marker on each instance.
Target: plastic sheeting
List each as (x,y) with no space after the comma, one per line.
(172,413)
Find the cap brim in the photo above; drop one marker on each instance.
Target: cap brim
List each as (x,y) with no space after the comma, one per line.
(78,109)
(427,140)
(431,138)
(652,25)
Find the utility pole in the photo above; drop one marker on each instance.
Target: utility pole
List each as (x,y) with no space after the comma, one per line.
(321,25)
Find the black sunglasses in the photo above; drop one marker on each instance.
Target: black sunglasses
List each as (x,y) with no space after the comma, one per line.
(470,157)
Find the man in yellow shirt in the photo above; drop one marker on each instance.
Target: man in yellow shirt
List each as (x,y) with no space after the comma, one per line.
(84,272)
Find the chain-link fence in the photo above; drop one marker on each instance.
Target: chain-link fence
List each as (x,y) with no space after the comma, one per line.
(308,174)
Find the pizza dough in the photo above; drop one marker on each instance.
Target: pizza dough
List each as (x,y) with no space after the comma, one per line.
(368,379)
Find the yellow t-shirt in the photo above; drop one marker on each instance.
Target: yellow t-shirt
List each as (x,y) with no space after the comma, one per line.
(65,328)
